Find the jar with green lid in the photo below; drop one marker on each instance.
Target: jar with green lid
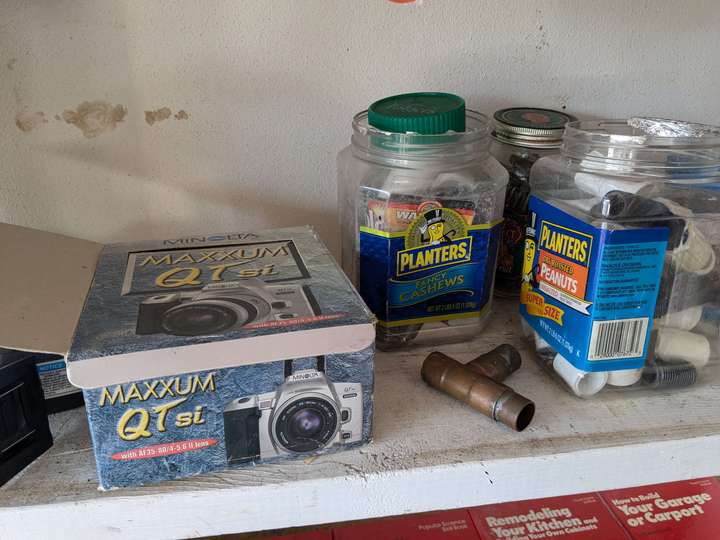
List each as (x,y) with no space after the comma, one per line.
(520,137)
(420,207)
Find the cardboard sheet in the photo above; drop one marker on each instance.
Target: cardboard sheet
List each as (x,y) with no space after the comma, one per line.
(44,280)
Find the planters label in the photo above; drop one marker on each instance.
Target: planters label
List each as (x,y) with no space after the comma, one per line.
(439,265)
(589,292)
(563,259)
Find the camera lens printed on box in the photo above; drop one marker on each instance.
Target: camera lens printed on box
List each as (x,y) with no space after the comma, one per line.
(200,353)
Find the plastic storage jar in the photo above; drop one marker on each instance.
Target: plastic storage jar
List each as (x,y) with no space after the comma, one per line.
(621,282)
(520,137)
(420,204)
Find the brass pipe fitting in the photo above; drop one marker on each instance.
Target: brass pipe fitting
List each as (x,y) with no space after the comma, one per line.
(498,364)
(493,399)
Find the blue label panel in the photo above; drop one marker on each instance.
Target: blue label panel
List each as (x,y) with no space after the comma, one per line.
(51,366)
(589,292)
(408,293)
(427,282)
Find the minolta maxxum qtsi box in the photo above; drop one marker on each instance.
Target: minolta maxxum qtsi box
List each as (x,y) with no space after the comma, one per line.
(201,353)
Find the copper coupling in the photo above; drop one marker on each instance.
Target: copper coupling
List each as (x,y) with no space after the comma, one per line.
(479,384)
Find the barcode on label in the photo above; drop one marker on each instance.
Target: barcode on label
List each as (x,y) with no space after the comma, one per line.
(618,339)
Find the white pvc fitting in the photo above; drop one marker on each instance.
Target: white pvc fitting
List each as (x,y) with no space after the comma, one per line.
(624,377)
(599,186)
(696,254)
(583,383)
(454,178)
(685,319)
(540,343)
(405,181)
(674,344)
(526,328)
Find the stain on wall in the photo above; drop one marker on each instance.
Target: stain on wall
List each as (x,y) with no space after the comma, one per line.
(94,118)
(157,115)
(27,121)
(163,113)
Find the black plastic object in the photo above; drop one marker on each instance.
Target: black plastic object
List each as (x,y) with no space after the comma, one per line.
(639,211)
(24,430)
(242,431)
(665,288)
(65,403)
(664,374)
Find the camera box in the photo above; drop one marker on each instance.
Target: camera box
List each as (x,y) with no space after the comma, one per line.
(199,353)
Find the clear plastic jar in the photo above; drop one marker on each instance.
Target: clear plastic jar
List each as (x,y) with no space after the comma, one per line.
(621,281)
(420,218)
(520,137)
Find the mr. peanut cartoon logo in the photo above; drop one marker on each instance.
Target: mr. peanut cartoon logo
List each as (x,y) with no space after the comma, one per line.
(434,227)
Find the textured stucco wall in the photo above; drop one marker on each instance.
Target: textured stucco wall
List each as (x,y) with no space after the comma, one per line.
(269,88)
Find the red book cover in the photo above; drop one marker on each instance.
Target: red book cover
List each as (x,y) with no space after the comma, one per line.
(449,525)
(673,511)
(574,517)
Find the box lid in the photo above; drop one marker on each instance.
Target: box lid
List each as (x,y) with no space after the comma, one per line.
(45,278)
(158,308)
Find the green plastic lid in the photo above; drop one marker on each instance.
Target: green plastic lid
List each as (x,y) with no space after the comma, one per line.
(427,113)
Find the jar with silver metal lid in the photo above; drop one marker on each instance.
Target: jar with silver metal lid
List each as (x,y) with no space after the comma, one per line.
(520,136)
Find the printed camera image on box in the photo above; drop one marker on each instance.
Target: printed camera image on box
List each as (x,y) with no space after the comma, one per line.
(182,425)
(200,353)
(301,415)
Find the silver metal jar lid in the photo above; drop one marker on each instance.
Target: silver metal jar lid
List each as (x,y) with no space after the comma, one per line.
(534,128)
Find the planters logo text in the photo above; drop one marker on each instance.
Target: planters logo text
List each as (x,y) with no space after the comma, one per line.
(436,238)
(563,259)
(572,245)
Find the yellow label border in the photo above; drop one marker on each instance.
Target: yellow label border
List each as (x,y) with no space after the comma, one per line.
(399,234)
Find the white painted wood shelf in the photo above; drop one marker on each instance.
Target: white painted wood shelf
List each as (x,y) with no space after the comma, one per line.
(430,452)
